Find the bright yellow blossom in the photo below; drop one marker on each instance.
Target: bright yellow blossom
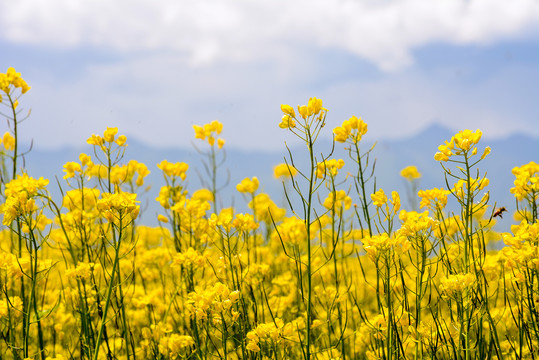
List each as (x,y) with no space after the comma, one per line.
(9,141)
(178,169)
(352,129)
(118,206)
(383,244)
(12,78)
(20,193)
(313,108)
(329,167)
(95,140)
(433,198)
(338,199)
(461,186)
(526,183)
(265,209)
(81,199)
(284,170)
(248,185)
(110,133)
(220,143)
(288,110)
(395,201)
(208,133)
(410,173)
(461,143)
(379,198)
(287,122)
(120,141)
(70,168)
(456,284)
(202,195)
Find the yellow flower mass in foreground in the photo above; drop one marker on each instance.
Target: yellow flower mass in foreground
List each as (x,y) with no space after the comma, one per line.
(325,271)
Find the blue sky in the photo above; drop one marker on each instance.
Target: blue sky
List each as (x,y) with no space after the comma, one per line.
(155,68)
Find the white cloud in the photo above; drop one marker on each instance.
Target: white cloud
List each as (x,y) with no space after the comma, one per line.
(206,31)
(157,99)
(153,87)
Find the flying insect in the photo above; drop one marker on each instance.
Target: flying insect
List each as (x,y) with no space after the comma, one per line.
(499,212)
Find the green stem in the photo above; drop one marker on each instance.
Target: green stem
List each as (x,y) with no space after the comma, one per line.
(33,296)
(308,230)
(15,135)
(116,246)
(362,183)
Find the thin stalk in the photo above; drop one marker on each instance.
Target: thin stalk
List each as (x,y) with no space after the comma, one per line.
(362,186)
(308,230)
(116,245)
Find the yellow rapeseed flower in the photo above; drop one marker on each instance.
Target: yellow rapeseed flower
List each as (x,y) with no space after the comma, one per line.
(120,141)
(12,78)
(248,185)
(20,193)
(410,173)
(338,199)
(395,201)
(329,167)
(70,168)
(284,170)
(110,133)
(208,133)
(461,143)
(244,222)
(118,205)
(526,181)
(381,244)
(288,110)
(287,122)
(74,199)
(202,195)
(265,209)
(352,129)
(178,169)
(95,140)
(313,107)
(434,198)
(9,141)
(455,284)
(379,198)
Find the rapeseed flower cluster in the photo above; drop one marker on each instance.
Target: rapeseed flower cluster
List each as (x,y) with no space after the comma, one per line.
(351,130)
(11,80)
(526,181)
(209,132)
(463,143)
(284,170)
(329,168)
(248,185)
(20,198)
(410,173)
(433,199)
(109,136)
(355,275)
(118,206)
(8,141)
(310,122)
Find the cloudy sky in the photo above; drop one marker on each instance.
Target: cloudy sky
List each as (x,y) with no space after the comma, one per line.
(154,68)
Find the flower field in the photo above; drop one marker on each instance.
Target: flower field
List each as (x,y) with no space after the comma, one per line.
(342,272)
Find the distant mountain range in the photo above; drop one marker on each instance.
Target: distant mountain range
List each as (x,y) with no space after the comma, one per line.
(391,156)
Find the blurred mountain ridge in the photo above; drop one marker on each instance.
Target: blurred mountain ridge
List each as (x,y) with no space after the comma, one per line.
(391,156)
